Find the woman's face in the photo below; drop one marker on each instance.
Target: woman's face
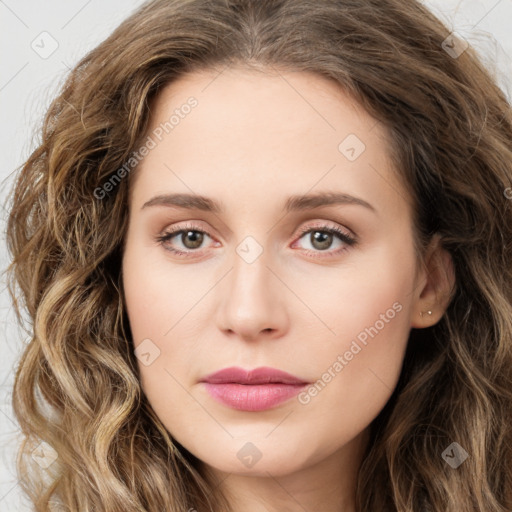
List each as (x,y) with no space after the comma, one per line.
(265,166)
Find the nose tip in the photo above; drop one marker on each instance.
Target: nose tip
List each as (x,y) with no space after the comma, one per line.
(251,304)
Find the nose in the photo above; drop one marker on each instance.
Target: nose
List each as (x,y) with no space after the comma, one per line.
(251,304)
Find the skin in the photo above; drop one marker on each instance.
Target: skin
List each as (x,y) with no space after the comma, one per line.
(254,139)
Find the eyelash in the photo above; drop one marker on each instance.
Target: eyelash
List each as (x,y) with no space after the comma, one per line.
(345,238)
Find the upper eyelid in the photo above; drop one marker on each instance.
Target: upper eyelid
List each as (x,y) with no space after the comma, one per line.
(196,226)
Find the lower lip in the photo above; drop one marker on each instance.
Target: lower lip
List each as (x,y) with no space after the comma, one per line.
(255,397)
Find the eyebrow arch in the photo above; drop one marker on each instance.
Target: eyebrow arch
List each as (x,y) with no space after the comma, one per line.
(293,203)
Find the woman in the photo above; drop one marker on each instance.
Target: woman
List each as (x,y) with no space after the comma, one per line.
(192,352)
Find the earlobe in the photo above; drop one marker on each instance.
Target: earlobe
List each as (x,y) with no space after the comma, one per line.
(438,288)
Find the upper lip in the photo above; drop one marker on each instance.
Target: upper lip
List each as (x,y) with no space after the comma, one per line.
(262,375)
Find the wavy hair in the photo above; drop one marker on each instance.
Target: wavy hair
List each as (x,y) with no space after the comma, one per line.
(77,386)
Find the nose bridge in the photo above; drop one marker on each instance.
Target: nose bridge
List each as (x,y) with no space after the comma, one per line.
(251,302)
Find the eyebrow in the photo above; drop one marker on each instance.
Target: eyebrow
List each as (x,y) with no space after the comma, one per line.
(293,203)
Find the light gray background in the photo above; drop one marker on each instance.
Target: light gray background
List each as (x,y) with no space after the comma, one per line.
(29,80)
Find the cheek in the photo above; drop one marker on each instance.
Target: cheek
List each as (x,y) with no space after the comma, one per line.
(364,342)
(356,379)
(367,299)
(160,308)
(353,379)
(157,293)
(358,358)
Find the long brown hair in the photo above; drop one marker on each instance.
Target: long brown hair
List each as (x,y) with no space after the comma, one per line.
(451,132)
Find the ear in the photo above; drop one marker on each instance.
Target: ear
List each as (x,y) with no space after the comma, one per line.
(434,286)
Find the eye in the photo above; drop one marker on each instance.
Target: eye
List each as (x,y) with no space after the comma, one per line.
(190,235)
(321,238)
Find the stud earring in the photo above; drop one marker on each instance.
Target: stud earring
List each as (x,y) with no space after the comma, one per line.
(429,312)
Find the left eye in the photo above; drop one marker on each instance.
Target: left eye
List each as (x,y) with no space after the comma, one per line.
(321,238)
(192,238)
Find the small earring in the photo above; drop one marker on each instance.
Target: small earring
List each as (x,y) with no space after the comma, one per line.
(429,312)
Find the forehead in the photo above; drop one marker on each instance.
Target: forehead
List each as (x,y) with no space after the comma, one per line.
(297,99)
(254,130)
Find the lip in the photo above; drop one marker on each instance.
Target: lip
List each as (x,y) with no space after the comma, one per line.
(261,375)
(252,390)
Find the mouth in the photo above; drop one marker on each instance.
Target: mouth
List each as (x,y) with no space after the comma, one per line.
(252,390)
(262,375)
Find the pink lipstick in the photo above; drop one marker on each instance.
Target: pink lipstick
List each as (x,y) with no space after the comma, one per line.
(252,390)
